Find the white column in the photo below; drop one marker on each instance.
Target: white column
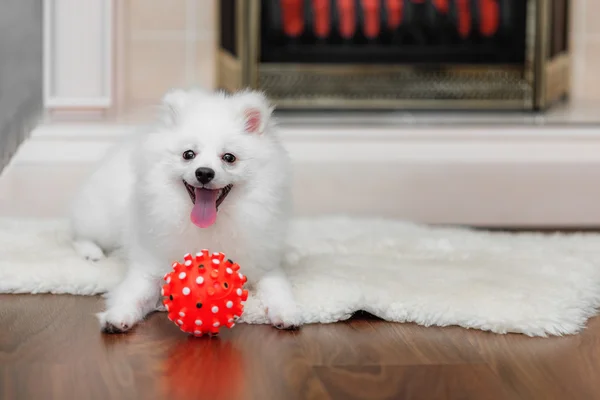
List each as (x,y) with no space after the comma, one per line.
(78,45)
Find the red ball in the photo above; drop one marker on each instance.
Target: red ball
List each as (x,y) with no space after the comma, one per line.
(204,293)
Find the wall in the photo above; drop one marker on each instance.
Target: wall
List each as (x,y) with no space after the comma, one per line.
(162,44)
(586,49)
(21,84)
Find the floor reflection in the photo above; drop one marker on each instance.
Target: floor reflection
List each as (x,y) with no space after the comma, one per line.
(211,368)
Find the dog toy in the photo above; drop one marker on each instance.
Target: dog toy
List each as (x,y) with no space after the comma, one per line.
(204,293)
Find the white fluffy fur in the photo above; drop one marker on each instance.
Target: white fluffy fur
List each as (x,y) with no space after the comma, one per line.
(136,201)
(525,283)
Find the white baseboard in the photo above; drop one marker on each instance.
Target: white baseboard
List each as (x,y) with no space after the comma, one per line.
(482,176)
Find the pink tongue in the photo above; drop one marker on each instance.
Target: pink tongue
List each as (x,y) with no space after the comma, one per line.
(204,213)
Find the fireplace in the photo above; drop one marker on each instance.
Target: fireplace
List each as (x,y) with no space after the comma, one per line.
(386,54)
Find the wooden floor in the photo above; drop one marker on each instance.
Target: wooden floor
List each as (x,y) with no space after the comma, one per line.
(51,348)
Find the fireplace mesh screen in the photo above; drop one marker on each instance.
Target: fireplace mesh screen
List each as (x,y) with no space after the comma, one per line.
(285,84)
(398,53)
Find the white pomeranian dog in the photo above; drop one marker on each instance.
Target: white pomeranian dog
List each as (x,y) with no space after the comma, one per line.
(211,174)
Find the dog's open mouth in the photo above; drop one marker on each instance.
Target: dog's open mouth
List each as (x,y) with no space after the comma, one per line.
(206,203)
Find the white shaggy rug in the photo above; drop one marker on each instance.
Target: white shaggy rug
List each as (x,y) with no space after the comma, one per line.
(538,285)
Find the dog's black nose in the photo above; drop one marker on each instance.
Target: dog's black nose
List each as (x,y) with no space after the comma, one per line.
(205,175)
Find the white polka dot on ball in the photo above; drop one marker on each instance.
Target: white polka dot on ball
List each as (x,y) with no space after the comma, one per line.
(169,279)
(215,254)
(229,304)
(199,254)
(199,280)
(216,261)
(198,322)
(167,307)
(240,275)
(229,271)
(230,320)
(186,290)
(173,265)
(197,333)
(181,314)
(216,324)
(162,292)
(215,309)
(239,292)
(188,263)
(179,322)
(182,275)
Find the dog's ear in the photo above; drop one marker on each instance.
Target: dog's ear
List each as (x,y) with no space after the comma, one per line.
(255,111)
(176,100)
(173,102)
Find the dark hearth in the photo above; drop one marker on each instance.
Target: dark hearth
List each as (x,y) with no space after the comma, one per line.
(393,31)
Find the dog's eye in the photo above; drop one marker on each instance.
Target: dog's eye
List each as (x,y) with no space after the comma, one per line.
(228,158)
(188,155)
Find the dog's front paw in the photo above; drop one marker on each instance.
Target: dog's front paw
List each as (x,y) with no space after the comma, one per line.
(275,292)
(160,307)
(117,321)
(284,316)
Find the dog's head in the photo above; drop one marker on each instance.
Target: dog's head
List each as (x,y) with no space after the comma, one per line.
(213,144)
